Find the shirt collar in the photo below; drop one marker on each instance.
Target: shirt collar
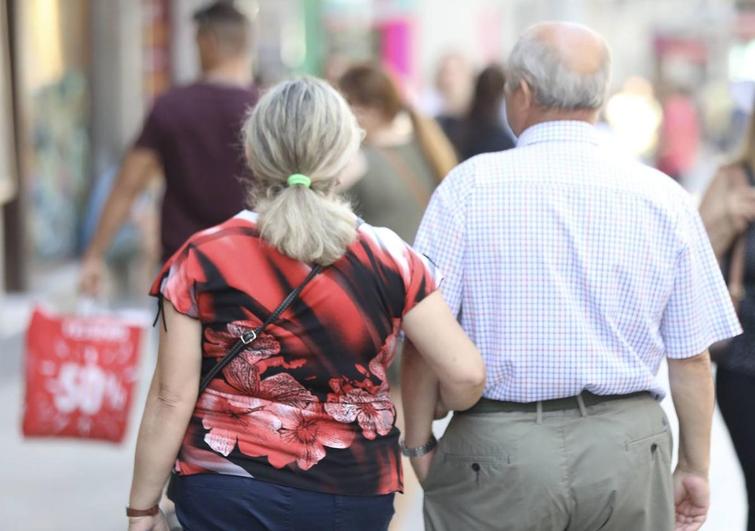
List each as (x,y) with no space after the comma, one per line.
(559,131)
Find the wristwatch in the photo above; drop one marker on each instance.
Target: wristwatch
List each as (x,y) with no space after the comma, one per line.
(135,513)
(420,450)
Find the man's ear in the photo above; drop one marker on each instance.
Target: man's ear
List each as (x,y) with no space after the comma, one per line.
(528,97)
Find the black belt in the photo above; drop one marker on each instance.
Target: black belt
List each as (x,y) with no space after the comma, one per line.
(486,405)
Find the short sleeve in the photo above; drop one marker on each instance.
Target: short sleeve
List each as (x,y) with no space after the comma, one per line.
(177,281)
(441,239)
(419,277)
(152,133)
(699,310)
(423,278)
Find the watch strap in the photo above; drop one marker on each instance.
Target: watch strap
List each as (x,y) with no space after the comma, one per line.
(419,451)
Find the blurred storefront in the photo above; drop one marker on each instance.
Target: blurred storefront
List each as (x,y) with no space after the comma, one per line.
(53,91)
(81,73)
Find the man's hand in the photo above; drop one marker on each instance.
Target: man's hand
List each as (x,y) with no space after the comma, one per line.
(139,166)
(92,275)
(692,500)
(691,385)
(421,465)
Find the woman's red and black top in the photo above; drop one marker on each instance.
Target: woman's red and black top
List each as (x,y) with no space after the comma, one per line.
(307,404)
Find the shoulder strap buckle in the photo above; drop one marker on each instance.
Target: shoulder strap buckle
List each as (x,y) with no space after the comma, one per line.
(248,337)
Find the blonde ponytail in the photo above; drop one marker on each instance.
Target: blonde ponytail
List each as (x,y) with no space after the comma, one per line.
(302,126)
(307,225)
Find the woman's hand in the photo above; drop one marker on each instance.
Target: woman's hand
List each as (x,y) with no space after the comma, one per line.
(149,523)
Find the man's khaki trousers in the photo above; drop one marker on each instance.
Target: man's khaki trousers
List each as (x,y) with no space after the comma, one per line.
(605,466)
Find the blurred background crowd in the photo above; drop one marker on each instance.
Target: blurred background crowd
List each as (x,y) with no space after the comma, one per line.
(79,75)
(425,78)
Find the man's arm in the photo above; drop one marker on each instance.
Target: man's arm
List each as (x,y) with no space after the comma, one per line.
(138,167)
(691,384)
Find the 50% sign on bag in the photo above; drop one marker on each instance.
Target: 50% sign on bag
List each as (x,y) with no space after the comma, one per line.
(80,374)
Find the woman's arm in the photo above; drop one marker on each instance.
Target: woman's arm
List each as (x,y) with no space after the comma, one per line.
(419,396)
(727,209)
(454,359)
(170,403)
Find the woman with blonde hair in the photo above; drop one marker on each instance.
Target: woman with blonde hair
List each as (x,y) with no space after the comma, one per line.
(404,157)
(728,211)
(294,429)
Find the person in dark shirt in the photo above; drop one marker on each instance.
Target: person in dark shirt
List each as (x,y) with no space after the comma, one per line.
(191,136)
(482,130)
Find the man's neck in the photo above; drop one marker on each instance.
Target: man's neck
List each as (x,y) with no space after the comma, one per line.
(235,73)
(589,116)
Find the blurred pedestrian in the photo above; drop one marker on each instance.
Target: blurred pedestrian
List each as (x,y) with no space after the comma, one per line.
(298,431)
(576,272)
(404,156)
(728,210)
(191,137)
(680,135)
(482,130)
(454,83)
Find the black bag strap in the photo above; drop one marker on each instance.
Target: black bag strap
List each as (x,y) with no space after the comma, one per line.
(250,336)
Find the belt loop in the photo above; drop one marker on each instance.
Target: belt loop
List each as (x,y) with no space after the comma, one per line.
(539,411)
(581,404)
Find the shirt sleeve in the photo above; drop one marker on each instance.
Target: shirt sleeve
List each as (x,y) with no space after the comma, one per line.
(441,239)
(151,135)
(422,279)
(699,311)
(415,276)
(177,281)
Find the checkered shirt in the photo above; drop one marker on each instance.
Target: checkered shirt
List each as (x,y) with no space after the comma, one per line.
(573,267)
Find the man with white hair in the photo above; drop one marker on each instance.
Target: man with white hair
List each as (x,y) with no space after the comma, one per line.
(576,272)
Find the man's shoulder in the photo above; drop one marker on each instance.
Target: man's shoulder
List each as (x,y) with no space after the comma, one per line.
(475,172)
(652,184)
(466,178)
(177,93)
(187,94)
(466,175)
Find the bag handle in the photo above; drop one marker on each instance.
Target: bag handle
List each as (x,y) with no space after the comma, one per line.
(249,337)
(407,175)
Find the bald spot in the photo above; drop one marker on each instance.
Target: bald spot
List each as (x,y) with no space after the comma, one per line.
(583,51)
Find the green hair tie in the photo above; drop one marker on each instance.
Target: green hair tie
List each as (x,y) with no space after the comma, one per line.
(298,178)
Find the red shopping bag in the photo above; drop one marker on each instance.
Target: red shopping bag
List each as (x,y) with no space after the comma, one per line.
(80,374)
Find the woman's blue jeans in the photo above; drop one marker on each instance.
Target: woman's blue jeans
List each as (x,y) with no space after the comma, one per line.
(209,502)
